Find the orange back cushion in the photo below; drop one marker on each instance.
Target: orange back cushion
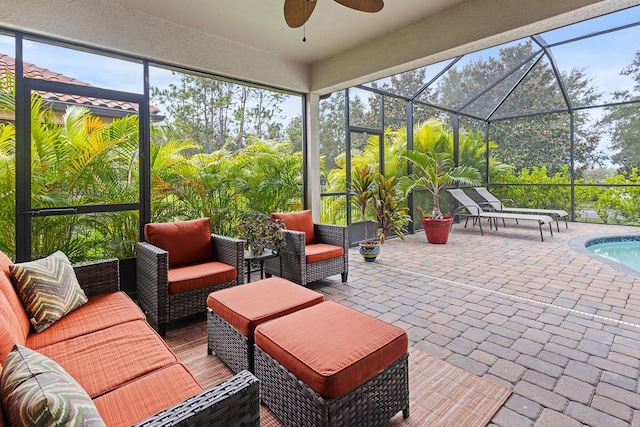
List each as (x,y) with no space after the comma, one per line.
(188,242)
(298,221)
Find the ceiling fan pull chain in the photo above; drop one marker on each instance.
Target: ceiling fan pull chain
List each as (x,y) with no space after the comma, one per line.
(304,33)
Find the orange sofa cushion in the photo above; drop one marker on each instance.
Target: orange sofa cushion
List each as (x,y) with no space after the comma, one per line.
(331,347)
(246,306)
(138,400)
(1,414)
(10,332)
(298,221)
(189,277)
(21,321)
(105,359)
(100,312)
(188,242)
(317,252)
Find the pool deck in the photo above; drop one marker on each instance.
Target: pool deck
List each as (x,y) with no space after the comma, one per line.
(558,326)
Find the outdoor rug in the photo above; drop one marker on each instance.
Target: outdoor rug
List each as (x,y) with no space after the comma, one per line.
(440,394)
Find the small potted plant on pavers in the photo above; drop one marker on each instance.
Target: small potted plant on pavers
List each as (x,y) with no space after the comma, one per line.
(363,188)
(381,193)
(391,214)
(434,170)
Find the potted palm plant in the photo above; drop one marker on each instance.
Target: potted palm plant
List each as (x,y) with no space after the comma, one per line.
(433,171)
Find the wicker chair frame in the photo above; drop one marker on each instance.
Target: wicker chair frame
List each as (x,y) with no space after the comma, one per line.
(229,344)
(295,403)
(153,283)
(234,402)
(292,263)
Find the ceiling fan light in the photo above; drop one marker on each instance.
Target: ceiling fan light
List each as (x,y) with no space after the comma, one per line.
(297,12)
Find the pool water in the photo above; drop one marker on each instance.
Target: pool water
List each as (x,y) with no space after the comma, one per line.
(625,252)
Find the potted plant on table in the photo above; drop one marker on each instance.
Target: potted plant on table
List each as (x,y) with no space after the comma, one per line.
(434,170)
(390,216)
(261,232)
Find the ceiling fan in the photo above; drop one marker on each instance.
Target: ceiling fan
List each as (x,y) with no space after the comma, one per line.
(297,12)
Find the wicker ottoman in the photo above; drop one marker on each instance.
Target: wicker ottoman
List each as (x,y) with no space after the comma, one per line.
(330,365)
(234,313)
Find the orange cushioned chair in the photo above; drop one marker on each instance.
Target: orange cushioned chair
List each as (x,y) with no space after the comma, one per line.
(312,251)
(180,264)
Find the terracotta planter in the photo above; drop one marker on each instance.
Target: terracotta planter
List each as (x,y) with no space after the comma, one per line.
(437,230)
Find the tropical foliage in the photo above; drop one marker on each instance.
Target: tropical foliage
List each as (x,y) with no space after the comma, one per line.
(79,159)
(391,212)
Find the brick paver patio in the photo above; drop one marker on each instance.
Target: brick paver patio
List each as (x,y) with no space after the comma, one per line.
(561,328)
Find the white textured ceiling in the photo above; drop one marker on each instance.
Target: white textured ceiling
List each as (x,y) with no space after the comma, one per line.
(332,28)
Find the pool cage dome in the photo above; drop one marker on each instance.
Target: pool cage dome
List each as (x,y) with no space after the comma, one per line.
(558,114)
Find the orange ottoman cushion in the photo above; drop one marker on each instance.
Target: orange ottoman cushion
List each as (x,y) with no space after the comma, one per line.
(246,306)
(332,348)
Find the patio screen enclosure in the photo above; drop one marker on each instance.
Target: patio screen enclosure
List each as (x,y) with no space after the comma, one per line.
(551,120)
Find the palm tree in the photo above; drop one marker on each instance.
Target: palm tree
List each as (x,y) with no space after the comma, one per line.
(435,170)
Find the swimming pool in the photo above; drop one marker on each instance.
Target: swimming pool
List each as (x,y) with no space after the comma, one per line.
(622,249)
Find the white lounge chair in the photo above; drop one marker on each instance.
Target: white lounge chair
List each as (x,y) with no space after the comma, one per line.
(477,213)
(498,206)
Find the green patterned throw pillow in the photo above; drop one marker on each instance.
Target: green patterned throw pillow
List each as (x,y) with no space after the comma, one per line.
(36,391)
(48,289)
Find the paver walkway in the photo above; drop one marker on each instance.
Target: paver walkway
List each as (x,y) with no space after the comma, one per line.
(561,328)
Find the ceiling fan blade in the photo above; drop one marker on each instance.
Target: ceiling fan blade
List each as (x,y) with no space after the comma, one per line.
(363,5)
(297,12)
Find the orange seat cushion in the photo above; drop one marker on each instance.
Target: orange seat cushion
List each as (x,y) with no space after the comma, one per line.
(189,277)
(317,252)
(146,396)
(298,221)
(188,242)
(100,312)
(246,306)
(332,348)
(96,360)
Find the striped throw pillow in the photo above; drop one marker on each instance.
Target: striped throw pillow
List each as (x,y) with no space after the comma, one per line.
(48,289)
(36,391)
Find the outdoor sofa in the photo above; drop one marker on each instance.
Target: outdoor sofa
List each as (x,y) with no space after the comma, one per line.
(103,356)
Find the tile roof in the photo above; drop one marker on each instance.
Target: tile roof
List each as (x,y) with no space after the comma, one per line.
(35,72)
